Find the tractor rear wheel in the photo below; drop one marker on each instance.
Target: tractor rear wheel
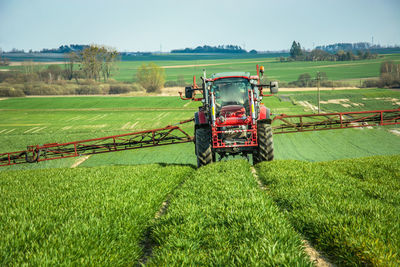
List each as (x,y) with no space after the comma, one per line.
(203,146)
(265,149)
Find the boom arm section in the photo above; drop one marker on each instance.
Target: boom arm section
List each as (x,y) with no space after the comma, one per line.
(330,121)
(168,135)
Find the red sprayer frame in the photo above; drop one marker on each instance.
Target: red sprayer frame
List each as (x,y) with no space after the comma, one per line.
(331,121)
(170,134)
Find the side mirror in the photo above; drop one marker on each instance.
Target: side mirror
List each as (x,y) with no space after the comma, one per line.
(188,92)
(273,87)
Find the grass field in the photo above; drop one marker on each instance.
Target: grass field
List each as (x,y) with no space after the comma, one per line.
(347,208)
(350,100)
(86,216)
(217,215)
(221,218)
(351,71)
(103,212)
(40,120)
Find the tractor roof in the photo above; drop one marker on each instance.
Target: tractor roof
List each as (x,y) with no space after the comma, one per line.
(221,75)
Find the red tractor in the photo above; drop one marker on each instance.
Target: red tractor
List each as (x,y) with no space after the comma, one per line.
(232,119)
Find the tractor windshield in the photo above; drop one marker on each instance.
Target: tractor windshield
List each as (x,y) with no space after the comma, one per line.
(231,91)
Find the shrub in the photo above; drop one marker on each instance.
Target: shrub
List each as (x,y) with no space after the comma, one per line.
(10,91)
(89,90)
(151,77)
(136,87)
(120,88)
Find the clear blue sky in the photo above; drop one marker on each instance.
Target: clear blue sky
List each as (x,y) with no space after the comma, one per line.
(144,25)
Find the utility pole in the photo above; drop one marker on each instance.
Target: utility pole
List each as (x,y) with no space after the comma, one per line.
(319,95)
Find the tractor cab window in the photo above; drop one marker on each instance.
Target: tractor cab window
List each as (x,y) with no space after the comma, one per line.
(231,91)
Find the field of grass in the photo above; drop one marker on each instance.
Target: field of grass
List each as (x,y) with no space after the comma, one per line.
(221,218)
(348,208)
(274,69)
(101,212)
(284,72)
(40,120)
(85,216)
(351,100)
(217,215)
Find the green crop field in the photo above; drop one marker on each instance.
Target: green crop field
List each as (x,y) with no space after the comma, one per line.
(348,208)
(221,218)
(106,211)
(40,120)
(216,215)
(86,216)
(351,100)
(351,71)
(282,71)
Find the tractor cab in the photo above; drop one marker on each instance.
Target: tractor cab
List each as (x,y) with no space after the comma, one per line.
(231,95)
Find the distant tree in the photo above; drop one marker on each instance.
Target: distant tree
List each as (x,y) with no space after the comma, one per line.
(3,61)
(151,77)
(390,74)
(69,63)
(110,57)
(323,76)
(367,55)
(341,55)
(53,72)
(212,49)
(295,50)
(304,80)
(98,61)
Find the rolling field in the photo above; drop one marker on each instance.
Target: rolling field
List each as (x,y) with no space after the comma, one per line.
(107,211)
(351,71)
(40,120)
(221,218)
(348,208)
(86,216)
(350,100)
(216,215)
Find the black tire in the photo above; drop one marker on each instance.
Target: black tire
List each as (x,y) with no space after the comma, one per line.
(203,146)
(265,149)
(34,157)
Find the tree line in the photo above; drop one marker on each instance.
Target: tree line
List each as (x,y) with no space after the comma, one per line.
(65,49)
(235,49)
(93,62)
(299,54)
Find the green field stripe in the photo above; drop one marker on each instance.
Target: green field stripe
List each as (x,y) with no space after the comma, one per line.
(349,209)
(83,216)
(103,109)
(221,218)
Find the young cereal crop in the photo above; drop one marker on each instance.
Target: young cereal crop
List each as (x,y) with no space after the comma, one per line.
(348,208)
(220,217)
(85,216)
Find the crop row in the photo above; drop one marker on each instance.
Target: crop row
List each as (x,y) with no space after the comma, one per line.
(86,216)
(349,208)
(220,217)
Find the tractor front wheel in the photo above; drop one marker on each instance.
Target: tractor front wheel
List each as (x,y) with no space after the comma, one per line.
(203,146)
(265,149)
